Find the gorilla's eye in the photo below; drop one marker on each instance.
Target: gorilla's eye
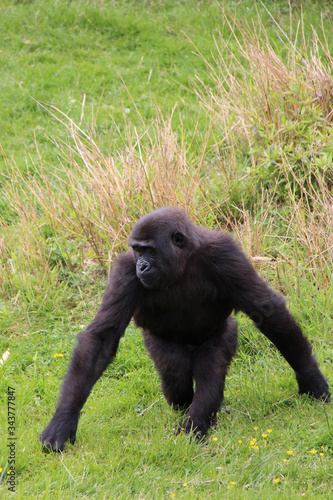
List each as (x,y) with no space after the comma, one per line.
(178,239)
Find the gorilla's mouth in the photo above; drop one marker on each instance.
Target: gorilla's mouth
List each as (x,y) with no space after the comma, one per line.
(154,283)
(147,283)
(150,282)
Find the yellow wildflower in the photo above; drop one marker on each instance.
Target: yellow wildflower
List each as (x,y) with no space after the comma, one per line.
(313,451)
(276,480)
(290,452)
(269,431)
(58,355)
(264,435)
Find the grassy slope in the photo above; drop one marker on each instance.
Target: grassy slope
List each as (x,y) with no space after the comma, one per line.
(125,449)
(57,53)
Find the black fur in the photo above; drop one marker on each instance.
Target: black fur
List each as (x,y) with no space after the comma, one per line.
(180,283)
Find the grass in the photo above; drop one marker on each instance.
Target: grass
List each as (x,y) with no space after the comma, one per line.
(146,105)
(72,54)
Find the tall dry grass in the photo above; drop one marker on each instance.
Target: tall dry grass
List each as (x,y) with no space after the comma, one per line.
(96,197)
(309,225)
(276,107)
(252,84)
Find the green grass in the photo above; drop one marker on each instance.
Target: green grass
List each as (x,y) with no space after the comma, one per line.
(54,241)
(58,52)
(125,447)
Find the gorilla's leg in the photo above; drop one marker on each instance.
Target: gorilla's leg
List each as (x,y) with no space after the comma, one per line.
(209,365)
(173,363)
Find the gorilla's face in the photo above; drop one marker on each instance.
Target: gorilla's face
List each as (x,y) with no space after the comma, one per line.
(149,266)
(156,266)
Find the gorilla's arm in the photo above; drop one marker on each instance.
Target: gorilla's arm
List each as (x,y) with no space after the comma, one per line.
(246,291)
(96,346)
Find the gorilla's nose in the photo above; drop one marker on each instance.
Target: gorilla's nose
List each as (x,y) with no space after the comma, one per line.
(144,267)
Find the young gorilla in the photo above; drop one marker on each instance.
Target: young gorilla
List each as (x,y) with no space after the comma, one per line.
(181,282)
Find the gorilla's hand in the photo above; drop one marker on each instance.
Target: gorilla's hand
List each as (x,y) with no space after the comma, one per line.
(61,427)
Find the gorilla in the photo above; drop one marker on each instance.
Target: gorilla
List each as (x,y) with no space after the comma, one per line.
(180,283)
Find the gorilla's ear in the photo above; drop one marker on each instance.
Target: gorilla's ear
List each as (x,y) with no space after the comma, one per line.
(178,239)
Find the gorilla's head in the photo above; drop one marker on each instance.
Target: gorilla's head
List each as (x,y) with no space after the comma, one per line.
(162,242)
